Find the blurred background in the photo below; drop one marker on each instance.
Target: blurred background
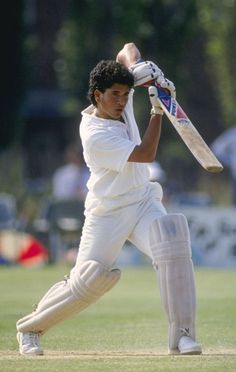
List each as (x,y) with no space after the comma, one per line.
(47,51)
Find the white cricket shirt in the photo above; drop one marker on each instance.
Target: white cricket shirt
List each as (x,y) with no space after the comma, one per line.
(114,182)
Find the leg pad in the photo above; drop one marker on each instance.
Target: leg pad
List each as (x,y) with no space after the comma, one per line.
(69,297)
(170,245)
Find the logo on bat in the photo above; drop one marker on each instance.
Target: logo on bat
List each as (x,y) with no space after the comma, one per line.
(183,122)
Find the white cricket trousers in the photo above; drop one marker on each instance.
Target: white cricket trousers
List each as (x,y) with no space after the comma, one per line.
(104,236)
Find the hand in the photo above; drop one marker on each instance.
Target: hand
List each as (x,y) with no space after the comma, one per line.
(128,55)
(166,85)
(153,96)
(145,73)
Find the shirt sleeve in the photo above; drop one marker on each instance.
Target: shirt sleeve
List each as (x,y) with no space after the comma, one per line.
(110,151)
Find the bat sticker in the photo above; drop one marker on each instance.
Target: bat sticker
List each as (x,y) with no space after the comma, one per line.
(188,132)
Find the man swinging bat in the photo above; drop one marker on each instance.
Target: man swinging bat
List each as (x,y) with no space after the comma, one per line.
(122,205)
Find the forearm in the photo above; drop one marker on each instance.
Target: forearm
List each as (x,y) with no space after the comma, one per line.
(147,150)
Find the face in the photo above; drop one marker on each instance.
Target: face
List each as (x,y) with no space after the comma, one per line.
(111,103)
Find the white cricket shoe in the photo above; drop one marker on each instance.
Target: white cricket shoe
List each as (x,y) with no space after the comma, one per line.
(187,346)
(29,343)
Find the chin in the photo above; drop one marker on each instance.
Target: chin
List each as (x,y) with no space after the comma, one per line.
(115,117)
(118,115)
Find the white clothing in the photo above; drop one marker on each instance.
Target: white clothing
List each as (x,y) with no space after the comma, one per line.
(156,173)
(121,202)
(107,144)
(103,237)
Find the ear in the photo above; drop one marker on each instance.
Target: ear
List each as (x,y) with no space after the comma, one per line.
(97,95)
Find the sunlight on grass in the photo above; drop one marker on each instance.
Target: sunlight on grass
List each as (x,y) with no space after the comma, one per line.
(125,330)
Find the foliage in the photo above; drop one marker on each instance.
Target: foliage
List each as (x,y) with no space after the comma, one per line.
(160,29)
(165,31)
(11,87)
(217,19)
(192,41)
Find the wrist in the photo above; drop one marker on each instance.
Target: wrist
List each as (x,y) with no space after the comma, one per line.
(156,111)
(139,60)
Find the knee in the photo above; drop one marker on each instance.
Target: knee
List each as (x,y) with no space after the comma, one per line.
(92,280)
(170,237)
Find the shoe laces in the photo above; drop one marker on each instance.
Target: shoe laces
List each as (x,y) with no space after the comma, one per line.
(185,332)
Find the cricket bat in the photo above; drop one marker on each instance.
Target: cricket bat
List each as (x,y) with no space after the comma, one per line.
(189,133)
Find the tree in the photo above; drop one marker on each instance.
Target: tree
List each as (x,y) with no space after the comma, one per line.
(11,72)
(217,19)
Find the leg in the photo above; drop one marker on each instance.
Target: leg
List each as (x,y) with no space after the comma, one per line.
(64,300)
(89,280)
(170,246)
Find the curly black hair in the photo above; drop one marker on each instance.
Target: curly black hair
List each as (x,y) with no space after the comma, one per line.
(105,74)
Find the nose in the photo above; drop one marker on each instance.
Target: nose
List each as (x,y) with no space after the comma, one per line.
(122,101)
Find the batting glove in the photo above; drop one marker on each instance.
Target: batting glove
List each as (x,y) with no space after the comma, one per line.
(153,96)
(145,73)
(164,83)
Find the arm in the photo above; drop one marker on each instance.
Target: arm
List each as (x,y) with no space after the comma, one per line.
(146,151)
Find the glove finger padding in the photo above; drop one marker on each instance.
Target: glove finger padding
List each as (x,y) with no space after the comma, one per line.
(145,72)
(153,96)
(166,84)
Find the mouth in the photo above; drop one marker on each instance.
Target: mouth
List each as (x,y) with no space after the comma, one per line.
(119,110)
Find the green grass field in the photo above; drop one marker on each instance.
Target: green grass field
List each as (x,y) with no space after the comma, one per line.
(126,330)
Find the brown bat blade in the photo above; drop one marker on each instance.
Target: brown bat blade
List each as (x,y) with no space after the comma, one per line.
(189,133)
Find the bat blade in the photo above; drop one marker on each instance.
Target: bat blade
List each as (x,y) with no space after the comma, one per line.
(189,134)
